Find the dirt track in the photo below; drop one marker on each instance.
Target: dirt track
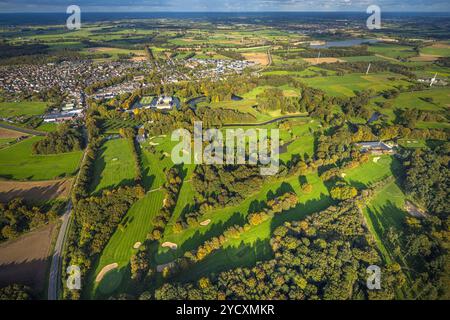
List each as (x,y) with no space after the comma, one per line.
(25,260)
(34,190)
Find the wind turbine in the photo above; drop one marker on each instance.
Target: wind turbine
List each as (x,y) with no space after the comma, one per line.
(368,68)
(433,80)
(318,57)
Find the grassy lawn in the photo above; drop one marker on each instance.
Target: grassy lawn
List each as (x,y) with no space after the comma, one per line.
(385,210)
(436,51)
(17,162)
(114,165)
(24,108)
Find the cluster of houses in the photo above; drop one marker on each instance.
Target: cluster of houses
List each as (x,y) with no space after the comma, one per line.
(119,89)
(217,68)
(68,76)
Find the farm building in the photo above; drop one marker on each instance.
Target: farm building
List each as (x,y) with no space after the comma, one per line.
(376,147)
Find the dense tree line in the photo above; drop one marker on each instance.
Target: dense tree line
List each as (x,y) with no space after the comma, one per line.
(96,219)
(65,139)
(9,51)
(172,189)
(324,256)
(17,217)
(164,123)
(16,292)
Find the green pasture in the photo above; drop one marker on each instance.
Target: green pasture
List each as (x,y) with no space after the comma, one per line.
(18,163)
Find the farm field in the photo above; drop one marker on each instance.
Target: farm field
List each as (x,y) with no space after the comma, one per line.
(35,190)
(18,163)
(24,108)
(26,259)
(114,165)
(393,51)
(346,85)
(440,50)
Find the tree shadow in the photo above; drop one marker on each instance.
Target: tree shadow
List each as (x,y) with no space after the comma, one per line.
(197,238)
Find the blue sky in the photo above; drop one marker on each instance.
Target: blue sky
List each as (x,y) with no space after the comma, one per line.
(222,5)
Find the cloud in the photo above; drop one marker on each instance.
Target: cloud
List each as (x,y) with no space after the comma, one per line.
(222,5)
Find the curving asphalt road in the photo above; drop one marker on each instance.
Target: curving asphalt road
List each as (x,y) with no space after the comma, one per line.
(55,268)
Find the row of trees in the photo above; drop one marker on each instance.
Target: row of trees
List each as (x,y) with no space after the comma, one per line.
(274,206)
(324,256)
(17,217)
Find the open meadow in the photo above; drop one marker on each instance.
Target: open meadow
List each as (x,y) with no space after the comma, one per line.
(18,163)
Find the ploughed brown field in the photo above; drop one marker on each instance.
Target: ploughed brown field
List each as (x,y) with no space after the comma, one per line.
(35,190)
(258,57)
(26,259)
(322,60)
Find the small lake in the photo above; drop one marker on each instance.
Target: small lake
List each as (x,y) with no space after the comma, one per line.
(344,43)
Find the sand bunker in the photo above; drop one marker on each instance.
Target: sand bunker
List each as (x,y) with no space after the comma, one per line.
(137,245)
(170,245)
(205,223)
(154,144)
(375,160)
(343,175)
(105,270)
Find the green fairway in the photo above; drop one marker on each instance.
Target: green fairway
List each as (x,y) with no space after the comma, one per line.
(376,169)
(134,228)
(114,165)
(385,210)
(24,108)
(17,162)
(434,100)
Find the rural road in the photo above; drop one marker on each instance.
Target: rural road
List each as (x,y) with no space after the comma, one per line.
(55,268)
(22,130)
(54,276)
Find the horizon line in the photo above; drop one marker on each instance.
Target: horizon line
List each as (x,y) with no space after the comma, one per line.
(268,11)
